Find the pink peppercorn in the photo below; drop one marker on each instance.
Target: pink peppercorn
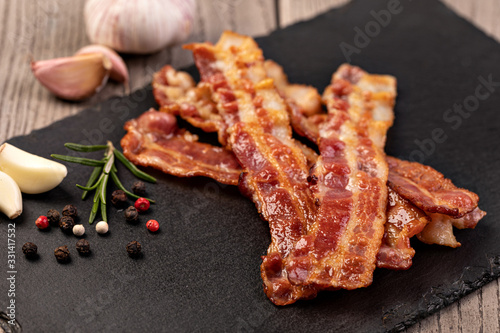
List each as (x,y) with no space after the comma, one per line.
(42,222)
(153,225)
(141,205)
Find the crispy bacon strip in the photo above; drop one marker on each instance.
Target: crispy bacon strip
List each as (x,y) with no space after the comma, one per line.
(176,93)
(440,230)
(349,184)
(154,140)
(428,189)
(275,168)
(404,221)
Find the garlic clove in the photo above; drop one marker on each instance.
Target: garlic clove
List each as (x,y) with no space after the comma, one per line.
(118,71)
(33,174)
(73,78)
(11,201)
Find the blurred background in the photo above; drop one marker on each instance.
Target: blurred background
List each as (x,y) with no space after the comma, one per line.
(45,29)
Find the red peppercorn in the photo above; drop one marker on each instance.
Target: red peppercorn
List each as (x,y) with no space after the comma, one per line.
(142,204)
(152,225)
(42,222)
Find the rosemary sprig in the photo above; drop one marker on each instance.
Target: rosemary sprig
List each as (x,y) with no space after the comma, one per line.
(103,170)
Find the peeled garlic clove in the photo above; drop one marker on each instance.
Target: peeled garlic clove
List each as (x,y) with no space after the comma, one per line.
(138,26)
(73,78)
(33,174)
(118,71)
(11,201)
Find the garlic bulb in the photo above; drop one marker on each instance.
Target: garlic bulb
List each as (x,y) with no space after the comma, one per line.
(138,26)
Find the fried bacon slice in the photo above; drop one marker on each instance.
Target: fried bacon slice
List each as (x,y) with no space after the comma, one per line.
(275,168)
(440,229)
(429,190)
(349,185)
(404,221)
(154,140)
(177,93)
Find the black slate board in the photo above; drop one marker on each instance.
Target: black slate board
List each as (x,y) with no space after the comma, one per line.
(201,272)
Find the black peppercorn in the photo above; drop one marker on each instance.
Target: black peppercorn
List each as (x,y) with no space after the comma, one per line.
(131,214)
(70,210)
(139,188)
(53,216)
(30,250)
(83,247)
(134,249)
(62,253)
(66,224)
(119,198)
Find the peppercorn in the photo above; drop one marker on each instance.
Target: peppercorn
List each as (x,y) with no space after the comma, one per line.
(83,247)
(53,216)
(62,253)
(139,188)
(142,205)
(66,224)
(78,230)
(42,222)
(30,250)
(70,210)
(153,225)
(134,249)
(119,198)
(102,227)
(131,214)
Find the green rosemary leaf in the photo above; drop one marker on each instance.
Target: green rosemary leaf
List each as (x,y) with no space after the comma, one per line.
(95,207)
(102,190)
(84,148)
(79,160)
(92,180)
(103,212)
(109,164)
(93,187)
(136,172)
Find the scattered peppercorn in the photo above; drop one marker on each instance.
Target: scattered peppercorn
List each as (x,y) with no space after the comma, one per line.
(30,250)
(66,224)
(139,188)
(42,222)
(62,253)
(153,225)
(70,210)
(78,230)
(53,216)
(134,249)
(119,198)
(83,247)
(102,227)
(131,214)
(142,205)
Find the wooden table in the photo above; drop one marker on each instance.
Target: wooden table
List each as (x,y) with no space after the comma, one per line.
(45,29)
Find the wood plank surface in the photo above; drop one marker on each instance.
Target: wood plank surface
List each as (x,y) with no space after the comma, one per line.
(45,29)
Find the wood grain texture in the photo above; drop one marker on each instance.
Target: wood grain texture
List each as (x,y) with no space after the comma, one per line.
(45,29)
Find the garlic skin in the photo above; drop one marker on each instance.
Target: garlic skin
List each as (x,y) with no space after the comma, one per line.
(11,201)
(135,26)
(119,71)
(73,78)
(33,174)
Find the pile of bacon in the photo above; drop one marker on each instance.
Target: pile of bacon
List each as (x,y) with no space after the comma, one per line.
(333,218)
